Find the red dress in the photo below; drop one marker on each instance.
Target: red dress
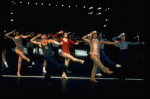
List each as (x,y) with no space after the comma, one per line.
(65,45)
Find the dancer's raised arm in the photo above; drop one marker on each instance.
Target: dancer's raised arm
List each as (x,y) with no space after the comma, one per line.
(85,37)
(7,35)
(36,42)
(108,42)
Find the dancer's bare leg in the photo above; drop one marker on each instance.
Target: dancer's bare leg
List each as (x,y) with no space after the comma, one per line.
(22,55)
(67,60)
(65,55)
(19,65)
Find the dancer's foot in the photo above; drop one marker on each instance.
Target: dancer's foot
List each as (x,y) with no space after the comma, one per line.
(118,65)
(99,74)
(93,80)
(18,74)
(106,70)
(44,71)
(64,76)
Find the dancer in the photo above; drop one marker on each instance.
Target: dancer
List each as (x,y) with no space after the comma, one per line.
(19,48)
(4,49)
(103,55)
(65,48)
(94,54)
(47,50)
(124,58)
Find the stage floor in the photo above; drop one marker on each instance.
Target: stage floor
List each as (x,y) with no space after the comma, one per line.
(78,83)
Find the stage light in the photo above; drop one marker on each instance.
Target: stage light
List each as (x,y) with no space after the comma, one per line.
(98,13)
(20,1)
(106,19)
(41,3)
(99,8)
(83,6)
(91,8)
(12,1)
(4,31)
(90,13)
(105,25)
(56,5)
(35,3)
(105,10)
(28,2)
(69,6)
(108,8)
(11,20)
(62,5)
(76,6)
(49,4)
(11,12)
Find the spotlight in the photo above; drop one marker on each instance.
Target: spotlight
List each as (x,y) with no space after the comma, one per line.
(98,13)
(105,25)
(91,8)
(90,13)
(105,10)
(62,5)
(20,1)
(35,3)
(49,4)
(41,3)
(28,2)
(99,8)
(83,6)
(11,20)
(56,5)
(11,12)
(4,31)
(108,8)
(69,6)
(106,19)
(76,6)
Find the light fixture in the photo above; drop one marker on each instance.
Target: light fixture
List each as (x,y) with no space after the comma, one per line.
(4,31)
(83,6)
(105,25)
(41,3)
(99,8)
(106,19)
(49,4)
(28,2)
(35,3)
(20,1)
(11,20)
(69,6)
(98,13)
(62,5)
(108,8)
(11,12)
(90,13)
(76,6)
(90,7)
(56,5)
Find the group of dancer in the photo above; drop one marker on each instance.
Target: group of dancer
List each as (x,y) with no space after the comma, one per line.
(45,43)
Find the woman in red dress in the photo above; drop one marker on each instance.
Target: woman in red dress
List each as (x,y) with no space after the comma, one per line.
(65,48)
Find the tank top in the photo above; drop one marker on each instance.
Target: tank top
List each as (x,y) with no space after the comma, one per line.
(47,49)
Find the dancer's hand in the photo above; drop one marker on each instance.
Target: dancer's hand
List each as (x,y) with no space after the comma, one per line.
(60,32)
(116,42)
(61,43)
(77,43)
(39,35)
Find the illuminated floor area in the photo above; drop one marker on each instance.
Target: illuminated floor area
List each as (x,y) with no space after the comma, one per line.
(35,86)
(78,83)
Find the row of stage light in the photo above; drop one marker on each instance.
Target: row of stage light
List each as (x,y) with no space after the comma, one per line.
(69,6)
(99,9)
